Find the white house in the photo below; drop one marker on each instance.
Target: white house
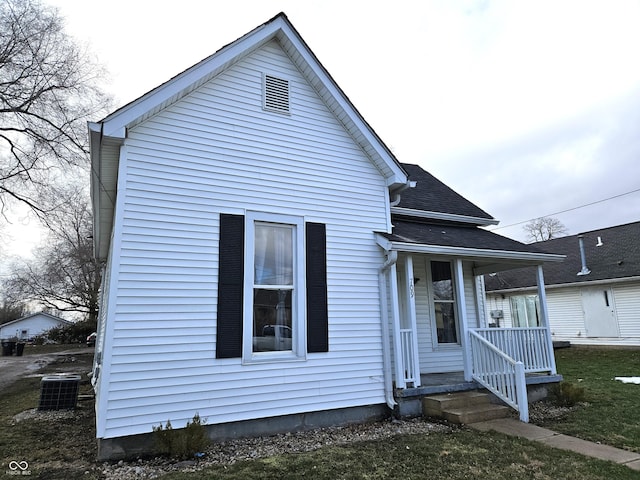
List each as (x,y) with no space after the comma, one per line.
(271,266)
(593,297)
(30,326)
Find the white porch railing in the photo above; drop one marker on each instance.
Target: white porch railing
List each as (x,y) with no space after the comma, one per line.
(499,373)
(411,375)
(531,346)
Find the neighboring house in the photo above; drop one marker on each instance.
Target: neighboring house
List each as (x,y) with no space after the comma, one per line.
(593,299)
(271,266)
(30,326)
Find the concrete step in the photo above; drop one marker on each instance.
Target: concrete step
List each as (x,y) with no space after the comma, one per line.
(434,405)
(463,407)
(475,414)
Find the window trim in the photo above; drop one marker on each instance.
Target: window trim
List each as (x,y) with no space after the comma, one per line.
(298,350)
(432,306)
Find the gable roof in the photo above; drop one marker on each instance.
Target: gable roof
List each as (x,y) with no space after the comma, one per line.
(433,219)
(430,198)
(107,136)
(615,257)
(31,315)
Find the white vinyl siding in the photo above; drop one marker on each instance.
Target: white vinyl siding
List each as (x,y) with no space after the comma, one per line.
(627,301)
(217,151)
(33,325)
(566,313)
(443,358)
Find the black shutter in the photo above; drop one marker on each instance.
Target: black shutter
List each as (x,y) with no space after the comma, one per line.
(316,263)
(230,286)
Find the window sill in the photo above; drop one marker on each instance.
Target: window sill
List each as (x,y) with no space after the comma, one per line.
(272,357)
(447,346)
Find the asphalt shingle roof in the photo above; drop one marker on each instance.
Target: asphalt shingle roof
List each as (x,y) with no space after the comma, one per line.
(454,235)
(430,194)
(617,257)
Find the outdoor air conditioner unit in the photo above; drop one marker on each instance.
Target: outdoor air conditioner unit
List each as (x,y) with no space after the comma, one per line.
(59,391)
(496,314)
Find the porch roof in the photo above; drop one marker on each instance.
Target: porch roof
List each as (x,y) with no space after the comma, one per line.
(491,251)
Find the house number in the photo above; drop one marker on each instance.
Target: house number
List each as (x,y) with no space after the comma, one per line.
(411,289)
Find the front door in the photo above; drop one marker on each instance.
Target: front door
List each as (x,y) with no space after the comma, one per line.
(599,313)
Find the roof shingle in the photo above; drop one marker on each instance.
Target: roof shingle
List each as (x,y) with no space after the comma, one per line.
(452,235)
(431,195)
(617,257)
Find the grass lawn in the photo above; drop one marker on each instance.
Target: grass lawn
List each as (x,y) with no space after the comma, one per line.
(612,415)
(65,448)
(461,454)
(60,447)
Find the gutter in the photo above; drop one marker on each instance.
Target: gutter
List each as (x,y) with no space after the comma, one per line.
(469,252)
(392,258)
(605,281)
(450,217)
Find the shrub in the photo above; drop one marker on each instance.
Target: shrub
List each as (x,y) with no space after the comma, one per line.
(74,333)
(566,394)
(183,442)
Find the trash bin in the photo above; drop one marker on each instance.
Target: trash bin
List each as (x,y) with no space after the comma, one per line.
(19,349)
(8,347)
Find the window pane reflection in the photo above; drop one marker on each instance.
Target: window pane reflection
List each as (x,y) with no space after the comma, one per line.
(444,302)
(272,327)
(273,261)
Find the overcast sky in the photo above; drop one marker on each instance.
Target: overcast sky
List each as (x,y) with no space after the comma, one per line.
(527,108)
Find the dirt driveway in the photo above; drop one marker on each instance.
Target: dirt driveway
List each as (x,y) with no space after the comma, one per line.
(12,368)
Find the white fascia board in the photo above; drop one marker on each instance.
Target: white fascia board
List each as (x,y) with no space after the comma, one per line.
(409,212)
(398,176)
(116,123)
(95,140)
(606,281)
(467,252)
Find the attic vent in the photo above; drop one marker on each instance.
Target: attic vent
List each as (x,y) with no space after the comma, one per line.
(276,94)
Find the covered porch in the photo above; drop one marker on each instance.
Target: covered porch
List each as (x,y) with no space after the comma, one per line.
(439,334)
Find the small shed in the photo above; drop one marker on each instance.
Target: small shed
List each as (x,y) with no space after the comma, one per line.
(31,325)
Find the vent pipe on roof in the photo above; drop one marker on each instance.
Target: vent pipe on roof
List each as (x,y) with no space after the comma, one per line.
(585,270)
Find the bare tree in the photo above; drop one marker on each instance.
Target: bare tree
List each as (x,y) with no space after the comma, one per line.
(48,90)
(63,273)
(544,228)
(10,311)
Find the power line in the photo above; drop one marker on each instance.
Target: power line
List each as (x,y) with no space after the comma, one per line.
(568,210)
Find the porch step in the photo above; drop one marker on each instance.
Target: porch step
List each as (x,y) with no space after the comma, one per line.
(463,407)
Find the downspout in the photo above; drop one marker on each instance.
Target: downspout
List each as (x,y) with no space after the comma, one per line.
(392,258)
(396,197)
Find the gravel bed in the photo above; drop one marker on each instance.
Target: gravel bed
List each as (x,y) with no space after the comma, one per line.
(541,412)
(229,452)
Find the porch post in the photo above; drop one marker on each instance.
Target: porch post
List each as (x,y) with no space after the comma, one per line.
(544,317)
(413,324)
(395,316)
(464,327)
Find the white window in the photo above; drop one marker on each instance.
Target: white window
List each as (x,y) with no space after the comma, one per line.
(525,311)
(274,326)
(443,303)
